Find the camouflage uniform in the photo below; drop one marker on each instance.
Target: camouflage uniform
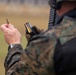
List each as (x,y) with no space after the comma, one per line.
(38,57)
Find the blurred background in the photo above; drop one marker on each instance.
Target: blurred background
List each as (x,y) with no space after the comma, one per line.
(19,12)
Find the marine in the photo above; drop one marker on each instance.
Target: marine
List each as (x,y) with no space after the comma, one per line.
(52,52)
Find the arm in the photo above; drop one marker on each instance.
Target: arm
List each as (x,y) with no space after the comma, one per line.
(12,59)
(34,60)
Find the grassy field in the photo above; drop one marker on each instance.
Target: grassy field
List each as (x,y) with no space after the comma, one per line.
(36,16)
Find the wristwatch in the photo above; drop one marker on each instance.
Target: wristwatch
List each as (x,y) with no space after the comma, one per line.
(11,46)
(14,46)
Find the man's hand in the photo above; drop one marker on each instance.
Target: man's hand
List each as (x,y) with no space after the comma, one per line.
(11,34)
(37,30)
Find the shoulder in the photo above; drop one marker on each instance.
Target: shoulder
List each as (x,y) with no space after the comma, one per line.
(43,37)
(68,20)
(66,30)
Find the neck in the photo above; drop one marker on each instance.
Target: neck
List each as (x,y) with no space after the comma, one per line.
(65,8)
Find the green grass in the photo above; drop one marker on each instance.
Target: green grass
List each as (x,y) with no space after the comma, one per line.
(40,20)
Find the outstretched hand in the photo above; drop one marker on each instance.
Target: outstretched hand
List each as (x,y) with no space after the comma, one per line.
(11,34)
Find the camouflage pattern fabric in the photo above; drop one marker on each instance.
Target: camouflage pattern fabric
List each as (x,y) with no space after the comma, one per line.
(37,58)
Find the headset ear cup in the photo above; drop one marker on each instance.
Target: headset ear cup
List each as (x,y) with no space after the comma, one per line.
(54,4)
(57,6)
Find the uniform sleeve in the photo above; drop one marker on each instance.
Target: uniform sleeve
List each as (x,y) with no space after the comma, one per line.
(36,59)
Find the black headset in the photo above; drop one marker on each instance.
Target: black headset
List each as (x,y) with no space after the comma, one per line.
(54,4)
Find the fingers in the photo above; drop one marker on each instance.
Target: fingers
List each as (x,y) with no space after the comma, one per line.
(6,27)
(28,36)
(3,27)
(10,26)
(37,30)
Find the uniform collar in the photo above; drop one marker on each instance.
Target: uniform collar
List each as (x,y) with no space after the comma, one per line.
(71,14)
